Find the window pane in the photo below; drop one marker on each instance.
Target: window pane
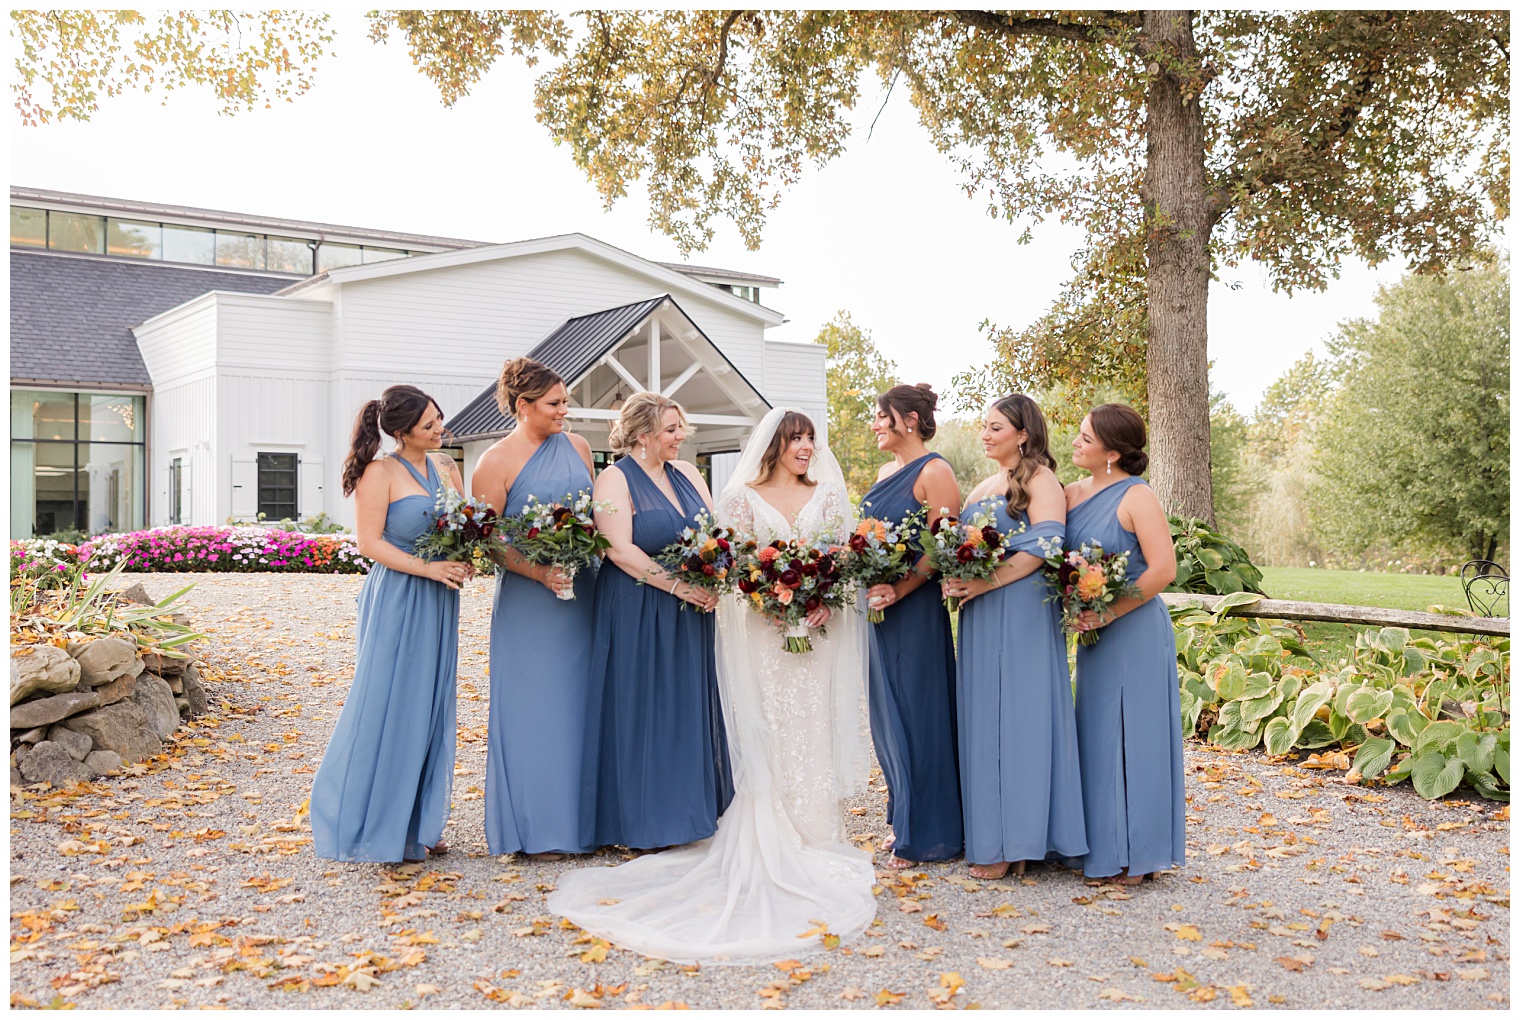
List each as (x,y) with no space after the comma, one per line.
(336,256)
(52,486)
(176,485)
(29,226)
(289,255)
(128,237)
(189,244)
(110,487)
(110,418)
(277,485)
(382,255)
(42,414)
(76,232)
(243,250)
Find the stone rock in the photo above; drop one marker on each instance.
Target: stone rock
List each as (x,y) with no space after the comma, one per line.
(50,763)
(194,692)
(122,727)
(105,659)
(183,704)
(46,668)
(16,779)
(102,763)
(116,690)
(176,683)
(33,735)
(138,594)
(163,665)
(157,702)
(77,744)
(49,710)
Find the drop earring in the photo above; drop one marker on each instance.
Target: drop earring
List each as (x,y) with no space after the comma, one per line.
(643,451)
(1110,469)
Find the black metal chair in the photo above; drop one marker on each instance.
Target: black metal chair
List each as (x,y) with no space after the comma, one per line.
(1486,585)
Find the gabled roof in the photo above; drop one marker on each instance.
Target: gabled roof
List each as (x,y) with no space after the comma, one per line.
(572,350)
(674,281)
(72,316)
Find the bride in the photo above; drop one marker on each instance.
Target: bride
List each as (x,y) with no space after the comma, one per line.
(779,873)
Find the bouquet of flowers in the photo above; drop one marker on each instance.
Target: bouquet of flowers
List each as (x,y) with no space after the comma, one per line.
(705,554)
(787,580)
(561,534)
(1086,578)
(880,553)
(464,531)
(969,550)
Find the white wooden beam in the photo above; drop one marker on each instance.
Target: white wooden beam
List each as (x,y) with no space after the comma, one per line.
(654,356)
(680,380)
(603,414)
(612,362)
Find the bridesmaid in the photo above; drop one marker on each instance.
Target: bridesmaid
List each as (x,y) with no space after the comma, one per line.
(537,732)
(663,776)
(1020,780)
(912,668)
(1129,721)
(382,791)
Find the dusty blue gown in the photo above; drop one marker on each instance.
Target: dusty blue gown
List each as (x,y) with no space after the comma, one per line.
(540,676)
(1129,720)
(662,776)
(382,791)
(1020,781)
(911,696)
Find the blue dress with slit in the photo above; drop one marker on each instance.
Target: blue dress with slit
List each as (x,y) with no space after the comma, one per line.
(911,696)
(383,789)
(1129,716)
(540,681)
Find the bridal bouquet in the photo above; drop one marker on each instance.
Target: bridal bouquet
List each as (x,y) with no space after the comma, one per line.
(969,550)
(880,553)
(562,534)
(787,580)
(1086,578)
(464,530)
(705,554)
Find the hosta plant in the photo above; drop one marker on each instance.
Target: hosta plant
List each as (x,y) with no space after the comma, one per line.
(1208,563)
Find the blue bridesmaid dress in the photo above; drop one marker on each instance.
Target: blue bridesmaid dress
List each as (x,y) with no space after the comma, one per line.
(662,778)
(1129,719)
(383,789)
(911,685)
(540,680)
(1020,781)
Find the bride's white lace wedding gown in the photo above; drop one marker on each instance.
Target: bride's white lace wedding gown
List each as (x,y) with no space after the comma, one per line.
(779,866)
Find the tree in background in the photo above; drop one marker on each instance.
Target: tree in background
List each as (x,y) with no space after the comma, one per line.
(1181,141)
(960,443)
(1414,445)
(856,374)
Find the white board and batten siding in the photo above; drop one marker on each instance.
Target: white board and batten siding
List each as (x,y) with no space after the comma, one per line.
(794,375)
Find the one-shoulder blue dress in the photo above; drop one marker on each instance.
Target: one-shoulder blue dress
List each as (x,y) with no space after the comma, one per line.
(1020,779)
(1129,719)
(911,696)
(383,789)
(536,794)
(662,778)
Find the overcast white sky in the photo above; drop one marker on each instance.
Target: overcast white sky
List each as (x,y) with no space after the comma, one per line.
(885,231)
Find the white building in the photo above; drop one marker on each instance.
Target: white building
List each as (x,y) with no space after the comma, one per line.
(250,396)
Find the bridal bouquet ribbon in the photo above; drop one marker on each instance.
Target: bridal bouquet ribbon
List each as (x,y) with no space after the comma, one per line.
(787,580)
(560,534)
(880,553)
(1086,579)
(705,555)
(464,530)
(968,549)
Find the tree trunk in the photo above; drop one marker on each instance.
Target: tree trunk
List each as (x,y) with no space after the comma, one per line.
(1179,218)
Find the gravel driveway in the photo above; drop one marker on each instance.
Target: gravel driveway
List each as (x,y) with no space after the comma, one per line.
(192,882)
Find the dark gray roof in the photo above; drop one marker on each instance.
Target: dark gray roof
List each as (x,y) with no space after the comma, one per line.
(724,274)
(71,317)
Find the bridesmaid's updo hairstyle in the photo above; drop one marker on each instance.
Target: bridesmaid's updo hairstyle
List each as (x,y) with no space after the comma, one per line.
(1120,428)
(905,400)
(640,416)
(398,411)
(793,424)
(1024,414)
(523,379)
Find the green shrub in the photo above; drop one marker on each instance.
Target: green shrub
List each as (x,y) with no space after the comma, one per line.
(1208,563)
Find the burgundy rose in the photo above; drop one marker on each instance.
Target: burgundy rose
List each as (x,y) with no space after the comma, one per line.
(810,570)
(858,543)
(723,544)
(965,554)
(796,564)
(990,536)
(708,570)
(532,532)
(694,563)
(812,603)
(791,578)
(747,586)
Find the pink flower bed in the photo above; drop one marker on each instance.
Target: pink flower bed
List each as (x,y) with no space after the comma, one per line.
(222,549)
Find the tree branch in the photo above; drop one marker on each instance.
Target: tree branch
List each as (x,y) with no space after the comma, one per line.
(1050,28)
(717,71)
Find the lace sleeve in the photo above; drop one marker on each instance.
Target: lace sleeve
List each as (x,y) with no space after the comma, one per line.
(735,512)
(838,515)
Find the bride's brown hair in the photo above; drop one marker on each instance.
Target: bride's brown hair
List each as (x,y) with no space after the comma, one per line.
(792,425)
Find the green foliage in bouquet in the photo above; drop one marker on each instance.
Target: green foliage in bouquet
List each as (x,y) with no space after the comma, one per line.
(1208,563)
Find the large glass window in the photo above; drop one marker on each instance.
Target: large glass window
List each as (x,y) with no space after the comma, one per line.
(382,255)
(277,486)
(245,251)
(195,245)
(77,232)
(77,462)
(137,239)
(29,226)
(176,491)
(289,255)
(337,256)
